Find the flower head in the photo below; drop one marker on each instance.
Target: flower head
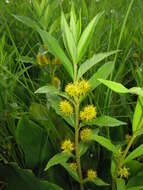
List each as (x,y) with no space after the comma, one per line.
(123,172)
(91,174)
(67,146)
(88,113)
(77,88)
(42,59)
(66,107)
(73,166)
(85,134)
(83,87)
(72,89)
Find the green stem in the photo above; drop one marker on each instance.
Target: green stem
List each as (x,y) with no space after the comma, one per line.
(77,142)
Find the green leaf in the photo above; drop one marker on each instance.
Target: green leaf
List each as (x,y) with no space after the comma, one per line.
(68,38)
(56,50)
(135,188)
(78,27)
(138,132)
(136,182)
(47,89)
(119,88)
(82,148)
(71,172)
(138,114)
(20,179)
(99,182)
(58,159)
(29,136)
(86,37)
(103,72)
(120,184)
(27,21)
(135,153)
(73,23)
(106,121)
(91,62)
(103,141)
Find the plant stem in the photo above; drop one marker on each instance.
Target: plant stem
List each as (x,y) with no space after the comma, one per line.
(76,143)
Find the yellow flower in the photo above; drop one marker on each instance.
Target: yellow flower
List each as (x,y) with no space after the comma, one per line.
(88,113)
(78,88)
(71,89)
(73,166)
(85,134)
(123,172)
(83,87)
(56,82)
(56,61)
(67,146)
(66,107)
(91,174)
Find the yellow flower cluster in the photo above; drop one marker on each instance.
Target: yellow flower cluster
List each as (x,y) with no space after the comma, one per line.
(123,172)
(91,174)
(42,59)
(88,113)
(67,146)
(73,166)
(78,88)
(85,134)
(66,107)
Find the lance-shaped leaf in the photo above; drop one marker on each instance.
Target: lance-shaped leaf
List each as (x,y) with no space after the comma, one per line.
(135,153)
(120,184)
(56,50)
(47,89)
(68,38)
(119,88)
(86,37)
(91,62)
(73,23)
(138,114)
(106,121)
(71,171)
(103,72)
(97,181)
(58,159)
(104,142)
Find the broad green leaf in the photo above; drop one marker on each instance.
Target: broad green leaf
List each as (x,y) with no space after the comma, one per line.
(117,87)
(91,62)
(21,179)
(29,136)
(68,38)
(27,21)
(56,50)
(138,132)
(71,171)
(138,114)
(136,90)
(86,37)
(104,142)
(135,153)
(103,72)
(99,182)
(47,89)
(106,121)
(58,159)
(120,184)
(136,182)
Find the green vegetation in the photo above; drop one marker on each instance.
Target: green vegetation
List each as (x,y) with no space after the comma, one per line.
(71,97)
